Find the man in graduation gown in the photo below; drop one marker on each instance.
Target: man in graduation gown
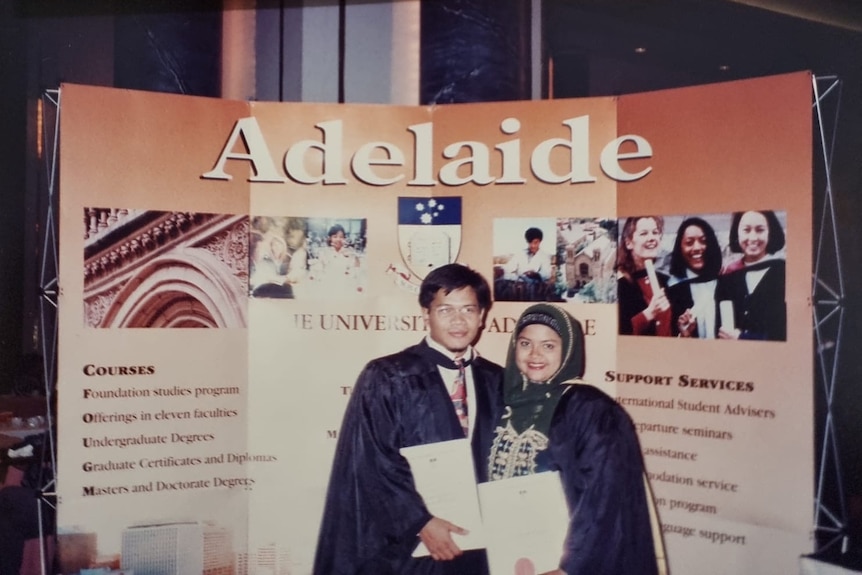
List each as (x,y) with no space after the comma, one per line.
(374,518)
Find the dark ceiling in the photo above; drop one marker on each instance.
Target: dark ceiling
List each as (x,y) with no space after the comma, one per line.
(692,42)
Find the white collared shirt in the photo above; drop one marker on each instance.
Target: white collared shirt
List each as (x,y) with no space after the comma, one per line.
(523,261)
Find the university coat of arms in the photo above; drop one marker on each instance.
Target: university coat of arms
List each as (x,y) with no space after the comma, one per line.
(429,232)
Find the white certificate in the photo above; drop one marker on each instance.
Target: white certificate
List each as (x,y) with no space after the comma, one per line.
(526,521)
(444,477)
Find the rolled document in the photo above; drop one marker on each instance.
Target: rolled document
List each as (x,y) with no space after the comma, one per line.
(725,310)
(653,279)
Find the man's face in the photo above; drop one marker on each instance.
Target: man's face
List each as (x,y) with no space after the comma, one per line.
(533,245)
(454,319)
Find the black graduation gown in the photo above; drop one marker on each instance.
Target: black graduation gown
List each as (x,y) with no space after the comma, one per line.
(761,314)
(373,512)
(681,299)
(594,445)
(631,301)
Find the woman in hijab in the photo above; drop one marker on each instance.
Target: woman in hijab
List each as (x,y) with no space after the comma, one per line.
(555,422)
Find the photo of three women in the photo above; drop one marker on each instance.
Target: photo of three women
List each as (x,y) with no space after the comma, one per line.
(707,292)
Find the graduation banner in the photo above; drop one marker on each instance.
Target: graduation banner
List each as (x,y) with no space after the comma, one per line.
(297,235)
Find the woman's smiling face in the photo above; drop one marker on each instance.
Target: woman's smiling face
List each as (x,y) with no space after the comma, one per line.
(538,352)
(645,241)
(753,236)
(693,248)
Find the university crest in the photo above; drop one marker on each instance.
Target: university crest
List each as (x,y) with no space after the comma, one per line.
(429,234)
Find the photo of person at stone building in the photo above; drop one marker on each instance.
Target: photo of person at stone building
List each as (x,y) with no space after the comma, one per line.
(587,257)
(524,270)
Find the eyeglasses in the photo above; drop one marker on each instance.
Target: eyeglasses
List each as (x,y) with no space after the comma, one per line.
(449,312)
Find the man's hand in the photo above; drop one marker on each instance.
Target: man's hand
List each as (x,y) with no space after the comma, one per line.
(436,535)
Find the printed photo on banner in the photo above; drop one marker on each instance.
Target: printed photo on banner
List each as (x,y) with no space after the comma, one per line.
(137,553)
(297,257)
(586,249)
(147,268)
(525,259)
(554,259)
(719,276)
(337,266)
(278,256)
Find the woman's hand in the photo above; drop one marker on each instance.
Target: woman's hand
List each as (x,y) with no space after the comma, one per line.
(728,334)
(658,304)
(686,323)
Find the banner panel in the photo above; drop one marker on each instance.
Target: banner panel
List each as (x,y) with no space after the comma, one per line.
(722,423)
(299,234)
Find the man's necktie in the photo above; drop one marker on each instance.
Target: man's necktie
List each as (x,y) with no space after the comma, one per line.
(459,397)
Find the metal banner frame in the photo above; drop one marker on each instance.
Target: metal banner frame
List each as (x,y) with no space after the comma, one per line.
(828,297)
(48,122)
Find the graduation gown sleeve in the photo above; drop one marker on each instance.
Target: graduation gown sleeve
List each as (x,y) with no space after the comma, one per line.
(594,445)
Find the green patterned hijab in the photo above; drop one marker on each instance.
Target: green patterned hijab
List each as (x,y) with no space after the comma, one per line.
(532,403)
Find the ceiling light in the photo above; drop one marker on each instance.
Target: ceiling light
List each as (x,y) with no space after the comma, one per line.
(724,67)
(640,50)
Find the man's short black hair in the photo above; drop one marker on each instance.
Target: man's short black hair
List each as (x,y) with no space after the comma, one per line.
(533,234)
(335,229)
(453,277)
